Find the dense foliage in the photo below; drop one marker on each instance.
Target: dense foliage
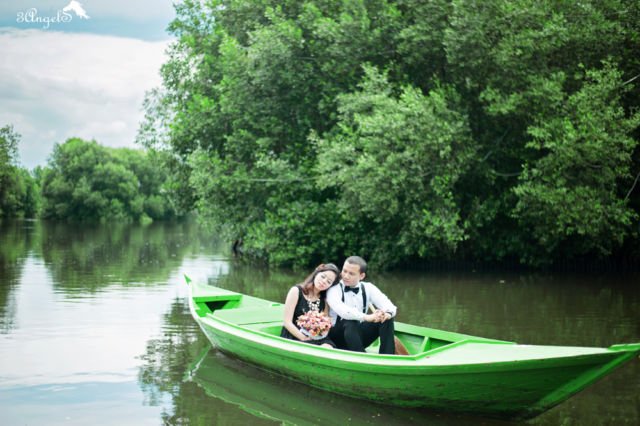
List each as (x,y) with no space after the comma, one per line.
(406,130)
(19,192)
(87,181)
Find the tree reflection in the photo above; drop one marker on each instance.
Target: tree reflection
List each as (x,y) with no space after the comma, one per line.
(167,357)
(270,284)
(531,309)
(15,243)
(165,374)
(87,258)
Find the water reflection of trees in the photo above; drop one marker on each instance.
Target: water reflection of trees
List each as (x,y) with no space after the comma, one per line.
(270,284)
(533,309)
(15,242)
(86,258)
(167,357)
(164,375)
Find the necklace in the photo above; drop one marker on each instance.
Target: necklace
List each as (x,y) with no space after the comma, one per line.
(314,305)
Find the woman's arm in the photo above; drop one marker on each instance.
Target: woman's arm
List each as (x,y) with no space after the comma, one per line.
(290,306)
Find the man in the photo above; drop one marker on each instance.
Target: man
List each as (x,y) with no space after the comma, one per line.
(353,328)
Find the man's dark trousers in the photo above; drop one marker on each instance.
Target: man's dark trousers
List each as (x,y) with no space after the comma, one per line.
(356,336)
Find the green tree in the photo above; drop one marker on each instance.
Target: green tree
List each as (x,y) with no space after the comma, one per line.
(405,130)
(19,194)
(570,197)
(399,162)
(9,140)
(86,181)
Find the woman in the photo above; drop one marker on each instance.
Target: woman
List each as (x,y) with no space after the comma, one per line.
(309,296)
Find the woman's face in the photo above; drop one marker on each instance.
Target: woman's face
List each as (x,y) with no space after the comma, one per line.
(324,279)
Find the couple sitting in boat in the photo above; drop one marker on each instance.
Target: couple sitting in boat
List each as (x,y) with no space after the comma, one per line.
(325,311)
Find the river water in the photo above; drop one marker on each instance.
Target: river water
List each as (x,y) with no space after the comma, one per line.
(95,329)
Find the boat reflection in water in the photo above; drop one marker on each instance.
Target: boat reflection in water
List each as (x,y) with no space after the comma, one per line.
(271,396)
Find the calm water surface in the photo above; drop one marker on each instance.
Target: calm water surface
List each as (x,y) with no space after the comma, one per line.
(95,329)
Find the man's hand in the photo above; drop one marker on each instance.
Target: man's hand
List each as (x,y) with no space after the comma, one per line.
(374,317)
(377,316)
(382,316)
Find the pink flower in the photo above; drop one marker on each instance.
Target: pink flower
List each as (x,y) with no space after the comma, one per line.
(314,324)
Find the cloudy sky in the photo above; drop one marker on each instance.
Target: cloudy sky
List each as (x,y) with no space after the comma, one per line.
(62,75)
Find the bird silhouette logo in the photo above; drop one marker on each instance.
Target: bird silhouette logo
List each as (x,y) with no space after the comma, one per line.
(76,7)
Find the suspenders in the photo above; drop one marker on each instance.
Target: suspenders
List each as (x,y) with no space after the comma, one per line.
(364,299)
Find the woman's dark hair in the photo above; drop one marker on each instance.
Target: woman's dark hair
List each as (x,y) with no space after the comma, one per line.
(323,267)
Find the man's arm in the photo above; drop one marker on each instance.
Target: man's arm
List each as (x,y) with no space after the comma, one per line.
(381,301)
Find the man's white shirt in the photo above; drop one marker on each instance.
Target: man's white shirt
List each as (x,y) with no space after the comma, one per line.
(351,308)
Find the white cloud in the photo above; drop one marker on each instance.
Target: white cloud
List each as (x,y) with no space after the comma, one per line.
(56,85)
(132,9)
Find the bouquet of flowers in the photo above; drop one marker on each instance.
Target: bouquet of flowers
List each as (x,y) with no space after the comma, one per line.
(314,324)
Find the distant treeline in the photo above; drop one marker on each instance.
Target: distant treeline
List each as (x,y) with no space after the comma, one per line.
(499,132)
(406,131)
(83,181)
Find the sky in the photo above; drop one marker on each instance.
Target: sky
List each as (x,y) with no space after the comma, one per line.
(70,74)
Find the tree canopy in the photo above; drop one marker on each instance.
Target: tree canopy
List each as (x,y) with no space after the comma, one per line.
(406,130)
(87,181)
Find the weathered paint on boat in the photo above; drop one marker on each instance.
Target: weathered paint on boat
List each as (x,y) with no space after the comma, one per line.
(444,370)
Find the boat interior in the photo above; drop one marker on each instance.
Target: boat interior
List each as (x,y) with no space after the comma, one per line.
(266,317)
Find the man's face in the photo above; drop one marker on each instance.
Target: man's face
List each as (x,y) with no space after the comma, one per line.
(351,274)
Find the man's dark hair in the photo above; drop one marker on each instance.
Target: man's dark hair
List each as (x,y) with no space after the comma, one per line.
(357,260)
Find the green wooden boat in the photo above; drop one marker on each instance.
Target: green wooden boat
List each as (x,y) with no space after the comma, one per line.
(444,370)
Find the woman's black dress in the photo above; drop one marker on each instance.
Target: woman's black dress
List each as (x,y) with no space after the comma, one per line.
(302,307)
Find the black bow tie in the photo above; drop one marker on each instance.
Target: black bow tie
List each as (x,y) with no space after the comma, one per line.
(353,289)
